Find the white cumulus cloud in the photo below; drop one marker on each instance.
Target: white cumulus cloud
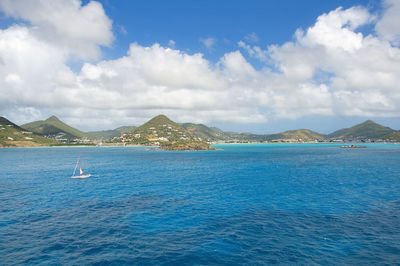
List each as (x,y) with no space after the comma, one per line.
(67,23)
(388,27)
(361,74)
(328,69)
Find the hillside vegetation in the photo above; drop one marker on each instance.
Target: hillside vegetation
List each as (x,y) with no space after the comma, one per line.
(12,135)
(299,134)
(108,134)
(163,132)
(215,134)
(366,130)
(393,136)
(54,127)
(205,133)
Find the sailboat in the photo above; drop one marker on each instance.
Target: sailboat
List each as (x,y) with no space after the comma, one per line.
(81,175)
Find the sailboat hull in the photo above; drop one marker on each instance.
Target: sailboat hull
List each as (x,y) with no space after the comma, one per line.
(81,176)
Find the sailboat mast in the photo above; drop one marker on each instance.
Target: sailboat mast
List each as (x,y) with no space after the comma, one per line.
(80,169)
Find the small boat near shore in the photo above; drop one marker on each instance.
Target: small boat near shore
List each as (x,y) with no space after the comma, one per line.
(352,146)
(81,175)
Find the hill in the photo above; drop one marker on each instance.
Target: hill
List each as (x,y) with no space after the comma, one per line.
(12,135)
(394,136)
(214,134)
(124,129)
(107,134)
(366,130)
(245,137)
(54,128)
(163,132)
(205,133)
(299,134)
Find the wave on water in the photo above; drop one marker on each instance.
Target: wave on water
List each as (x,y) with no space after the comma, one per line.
(117,233)
(244,205)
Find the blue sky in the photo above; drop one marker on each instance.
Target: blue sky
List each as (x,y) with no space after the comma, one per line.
(254,66)
(228,21)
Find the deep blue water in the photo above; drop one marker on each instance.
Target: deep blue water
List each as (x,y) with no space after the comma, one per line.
(245,204)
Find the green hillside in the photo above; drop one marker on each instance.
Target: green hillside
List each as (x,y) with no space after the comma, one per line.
(102,134)
(245,137)
(394,136)
(107,134)
(124,129)
(12,135)
(367,130)
(205,133)
(214,134)
(299,134)
(163,132)
(52,127)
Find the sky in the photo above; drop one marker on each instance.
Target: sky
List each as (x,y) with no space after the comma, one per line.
(249,66)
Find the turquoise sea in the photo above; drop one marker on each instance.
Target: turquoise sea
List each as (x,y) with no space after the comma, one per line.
(244,204)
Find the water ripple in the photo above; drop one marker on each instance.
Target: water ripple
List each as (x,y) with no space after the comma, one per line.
(275,205)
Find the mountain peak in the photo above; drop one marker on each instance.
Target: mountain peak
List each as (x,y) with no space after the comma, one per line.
(369,122)
(161,117)
(159,121)
(162,131)
(5,121)
(366,130)
(53,126)
(52,118)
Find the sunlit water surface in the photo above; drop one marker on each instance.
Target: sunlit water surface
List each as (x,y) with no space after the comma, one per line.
(244,204)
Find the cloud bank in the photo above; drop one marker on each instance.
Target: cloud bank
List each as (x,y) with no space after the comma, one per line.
(329,69)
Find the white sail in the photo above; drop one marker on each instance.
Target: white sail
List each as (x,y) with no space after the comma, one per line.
(76,166)
(81,175)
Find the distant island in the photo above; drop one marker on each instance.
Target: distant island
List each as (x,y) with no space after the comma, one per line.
(168,135)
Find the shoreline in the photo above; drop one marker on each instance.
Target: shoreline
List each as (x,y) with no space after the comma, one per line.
(158,147)
(300,143)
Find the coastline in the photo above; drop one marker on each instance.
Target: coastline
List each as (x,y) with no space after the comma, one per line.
(300,143)
(158,147)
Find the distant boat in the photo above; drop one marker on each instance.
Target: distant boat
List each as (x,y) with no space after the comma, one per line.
(352,146)
(81,175)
